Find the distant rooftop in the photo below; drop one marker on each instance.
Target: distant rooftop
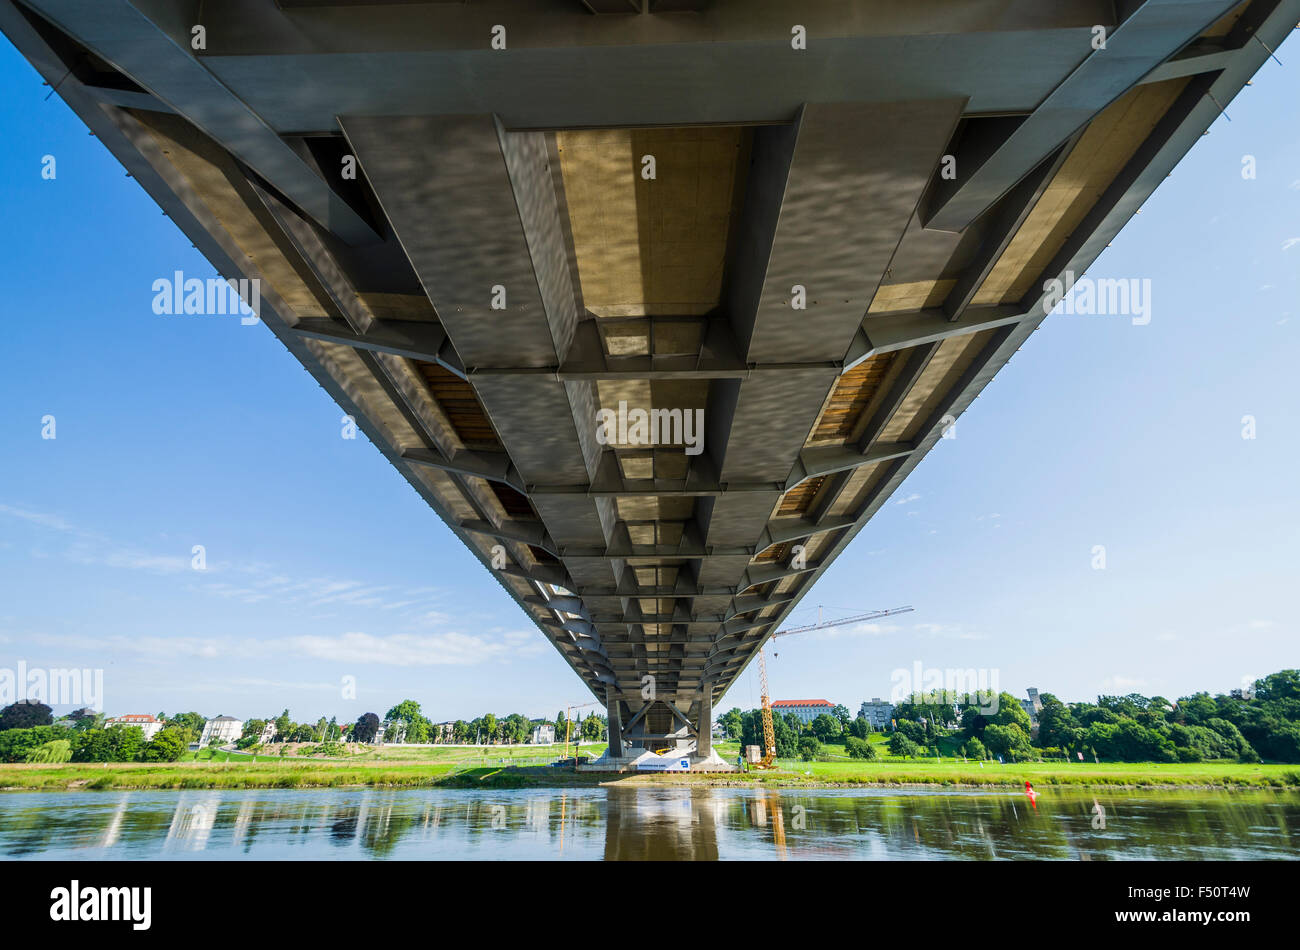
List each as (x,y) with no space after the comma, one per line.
(801,702)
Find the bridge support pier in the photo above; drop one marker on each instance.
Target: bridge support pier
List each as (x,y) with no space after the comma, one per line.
(634,750)
(704,738)
(615,723)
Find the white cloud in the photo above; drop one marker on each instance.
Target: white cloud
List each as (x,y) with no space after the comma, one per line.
(910,498)
(1290,243)
(37,518)
(261,583)
(158,647)
(439,649)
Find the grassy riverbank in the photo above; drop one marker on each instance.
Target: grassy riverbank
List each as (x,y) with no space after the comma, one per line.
(521,767)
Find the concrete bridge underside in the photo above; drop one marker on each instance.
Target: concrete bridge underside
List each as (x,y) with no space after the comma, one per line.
(499,268)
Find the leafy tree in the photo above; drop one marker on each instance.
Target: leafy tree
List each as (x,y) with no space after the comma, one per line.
(1242,749)
(130,742)
(168,745)
(418,729)
(1278,740)
(407,709)
(1088,715)
(1197,709)
(366,728)
(860,749)
(1007,740)
(1134,742)
(119,744)
(934,707)
(1056,723)
(1280,686)
(825,727)
(17,744)
(1010,713)
(253,728)
(973,722)
(731,722)
(860,728)
(809,748)
(1198,743)
(283,727)
(974,749)
(913,730)
(57,750)
(516,727)
(1126,707)
(191,722)
(300,732)
(843,717)
(900,744)
(593,727)
(25,715)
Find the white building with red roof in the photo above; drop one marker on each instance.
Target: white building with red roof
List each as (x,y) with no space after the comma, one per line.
(147,724)
(806,709)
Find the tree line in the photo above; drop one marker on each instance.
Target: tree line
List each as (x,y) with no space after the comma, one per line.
(1258,723)
(488,729)
(28,733)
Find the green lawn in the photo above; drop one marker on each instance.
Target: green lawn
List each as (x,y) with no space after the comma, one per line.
(211,755)
(484,755)
(518,766)
(889,769)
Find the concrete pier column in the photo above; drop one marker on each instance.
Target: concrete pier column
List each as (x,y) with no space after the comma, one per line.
(615,723)
(704,742)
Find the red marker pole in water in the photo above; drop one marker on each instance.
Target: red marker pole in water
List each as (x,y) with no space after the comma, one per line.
(1032,795)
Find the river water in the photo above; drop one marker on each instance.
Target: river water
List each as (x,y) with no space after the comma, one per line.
(649,823)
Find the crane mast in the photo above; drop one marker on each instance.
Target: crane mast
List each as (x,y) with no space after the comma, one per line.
(769,730)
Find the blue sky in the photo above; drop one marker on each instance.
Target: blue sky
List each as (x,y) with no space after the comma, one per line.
(322,563)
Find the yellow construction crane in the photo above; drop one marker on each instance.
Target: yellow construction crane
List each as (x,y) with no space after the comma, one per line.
(769,731)
(568,725)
